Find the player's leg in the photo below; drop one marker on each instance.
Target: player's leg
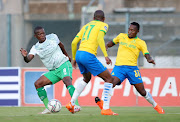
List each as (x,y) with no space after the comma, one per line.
(118,75)
(68,82)
(140,88)
(81,59)
(135,79)
(65,73)
(99,102)
(106,76)
(80,87)
(95,67)
(39,84)
(107,92)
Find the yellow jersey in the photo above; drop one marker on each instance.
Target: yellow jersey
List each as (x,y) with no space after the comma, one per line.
(88,35)
(129,49)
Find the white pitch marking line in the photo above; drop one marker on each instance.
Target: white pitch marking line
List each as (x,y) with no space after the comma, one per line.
(172,113)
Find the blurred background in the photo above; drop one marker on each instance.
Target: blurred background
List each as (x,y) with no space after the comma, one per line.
(160,28)
(159,21)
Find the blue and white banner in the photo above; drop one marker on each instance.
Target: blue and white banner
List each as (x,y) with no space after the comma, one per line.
(9,86)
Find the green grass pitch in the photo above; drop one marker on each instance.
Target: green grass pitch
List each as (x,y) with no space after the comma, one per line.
(89,114)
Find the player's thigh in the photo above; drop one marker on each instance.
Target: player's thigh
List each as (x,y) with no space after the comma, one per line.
(51,75)
(88,62)
(119,74)
(95,67)
(64,72)
(134,75)
(42,81)
(80,60)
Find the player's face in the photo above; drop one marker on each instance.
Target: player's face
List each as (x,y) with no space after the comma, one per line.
(132,31)
(40,35)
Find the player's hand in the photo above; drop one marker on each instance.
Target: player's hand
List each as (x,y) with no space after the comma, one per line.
(108,60)
(152,61)
(23,52)
(74,64)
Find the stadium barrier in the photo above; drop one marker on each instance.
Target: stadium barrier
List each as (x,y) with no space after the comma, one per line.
(161,83)
(10,86)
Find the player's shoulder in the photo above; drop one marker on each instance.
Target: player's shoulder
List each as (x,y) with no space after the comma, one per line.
(51,35)
(104,24)
(123,35)
(141,40)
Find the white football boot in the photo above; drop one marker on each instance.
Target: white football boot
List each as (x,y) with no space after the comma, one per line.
(46,111)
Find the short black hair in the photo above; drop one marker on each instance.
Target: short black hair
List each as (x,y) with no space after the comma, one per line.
(37,28)
(98,14)
(136,24)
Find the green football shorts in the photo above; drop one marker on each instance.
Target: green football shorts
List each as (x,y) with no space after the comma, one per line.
(59,73)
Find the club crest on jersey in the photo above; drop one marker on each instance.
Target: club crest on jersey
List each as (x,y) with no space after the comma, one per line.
(105,27)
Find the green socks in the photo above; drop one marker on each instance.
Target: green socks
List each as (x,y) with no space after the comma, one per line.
(71,91)
(43,96)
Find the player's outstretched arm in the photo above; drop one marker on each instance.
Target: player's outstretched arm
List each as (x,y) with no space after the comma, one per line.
(27,58)
(109,44)
(149,59)
(61,45)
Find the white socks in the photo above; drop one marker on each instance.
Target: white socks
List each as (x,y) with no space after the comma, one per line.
(106,95)
(149,98)
(80,87)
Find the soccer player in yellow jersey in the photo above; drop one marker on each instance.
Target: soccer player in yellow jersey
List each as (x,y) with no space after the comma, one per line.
(126,62)
(92,36)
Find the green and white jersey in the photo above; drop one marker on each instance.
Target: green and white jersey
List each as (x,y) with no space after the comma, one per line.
(49,52)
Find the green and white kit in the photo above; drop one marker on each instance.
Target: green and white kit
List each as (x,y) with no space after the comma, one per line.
(53,58)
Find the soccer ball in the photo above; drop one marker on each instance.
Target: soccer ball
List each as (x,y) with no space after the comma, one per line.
(54,106)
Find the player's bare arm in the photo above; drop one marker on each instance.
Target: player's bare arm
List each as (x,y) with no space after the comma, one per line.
(61,45)
(27,58)
(109,44)
(149,59)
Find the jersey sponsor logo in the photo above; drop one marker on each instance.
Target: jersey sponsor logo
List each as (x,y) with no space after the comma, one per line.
(128,45)
(105,27)
(133,41)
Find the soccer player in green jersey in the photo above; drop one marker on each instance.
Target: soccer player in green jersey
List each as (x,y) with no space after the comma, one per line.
(126,63)
(55,58)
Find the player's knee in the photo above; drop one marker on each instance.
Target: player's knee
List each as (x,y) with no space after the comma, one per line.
(86,80)
(109,79)
(143,92)
(67,81)
(37,85)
